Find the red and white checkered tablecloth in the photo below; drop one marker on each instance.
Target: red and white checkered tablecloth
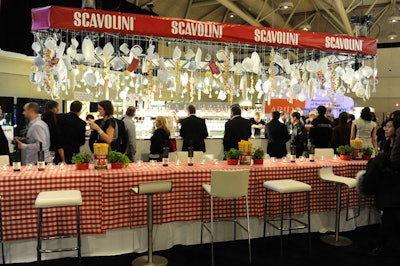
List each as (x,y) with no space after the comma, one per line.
(184,202)
(19,190)
(106,194)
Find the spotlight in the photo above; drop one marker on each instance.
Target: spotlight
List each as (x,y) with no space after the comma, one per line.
(305,27)
(285,5)
(392,36)
(394,18)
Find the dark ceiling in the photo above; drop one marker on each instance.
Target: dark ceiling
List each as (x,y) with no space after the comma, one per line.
(15,19)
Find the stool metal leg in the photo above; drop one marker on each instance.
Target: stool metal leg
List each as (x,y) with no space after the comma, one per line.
(336,240)
(234,219)
(281,229)
(248,226)
(265,211)
(290,213)
(150,260)
(202,216)
(78,237)
(212,230)
(308,220)
(2,236)
(39,236)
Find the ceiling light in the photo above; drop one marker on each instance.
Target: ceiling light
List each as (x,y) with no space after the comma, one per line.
(394,18)
(305,27)
(232,15)
(392,36)
(286,5)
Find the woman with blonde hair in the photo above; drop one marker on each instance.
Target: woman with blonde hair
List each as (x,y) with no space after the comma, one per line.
(159,139)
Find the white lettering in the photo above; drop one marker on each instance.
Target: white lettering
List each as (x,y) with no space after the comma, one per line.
(77,19)
(116,22)
(174,27)
(198,29)
(340,43)
(276,37)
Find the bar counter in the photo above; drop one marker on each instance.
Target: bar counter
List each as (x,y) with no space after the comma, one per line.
(106,204)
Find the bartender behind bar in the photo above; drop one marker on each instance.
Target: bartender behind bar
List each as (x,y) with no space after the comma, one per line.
(257,124)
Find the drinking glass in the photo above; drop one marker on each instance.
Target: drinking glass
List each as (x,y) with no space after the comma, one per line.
(52,155)
(62,165)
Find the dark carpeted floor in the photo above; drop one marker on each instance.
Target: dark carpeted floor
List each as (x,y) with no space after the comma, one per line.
(265,252)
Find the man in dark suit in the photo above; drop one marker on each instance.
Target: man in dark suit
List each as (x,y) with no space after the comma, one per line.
(72,130)
(277,135)
(236,129)
(193,130)
(321,131)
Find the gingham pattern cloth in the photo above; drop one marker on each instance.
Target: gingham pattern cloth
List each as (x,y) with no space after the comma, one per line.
(19,190)
(106,194)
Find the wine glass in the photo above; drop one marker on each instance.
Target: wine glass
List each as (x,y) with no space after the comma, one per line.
(52,155)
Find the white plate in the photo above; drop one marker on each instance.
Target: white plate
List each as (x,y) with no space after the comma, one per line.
(247,64)
(255,58)
(88,49)
(198,56)
(108,50)
(176,54)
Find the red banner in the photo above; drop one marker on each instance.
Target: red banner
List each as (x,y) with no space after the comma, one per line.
(282,105)
(64,18)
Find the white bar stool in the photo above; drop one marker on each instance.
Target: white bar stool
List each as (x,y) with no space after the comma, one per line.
(2,235)
(327,174)
(53,199)
(287,186)
(150,188)
(226,185)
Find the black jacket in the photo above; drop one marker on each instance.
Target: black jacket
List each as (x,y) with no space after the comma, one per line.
(72,134)
(158,141)
(321,132)
(236,129)
(193,129)
(277,135)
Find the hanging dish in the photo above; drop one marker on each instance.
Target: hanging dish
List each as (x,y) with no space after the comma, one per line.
(312,66)
(88,50)
(197,58)
(176,53)
(108,50)
(247,64)
(220,55)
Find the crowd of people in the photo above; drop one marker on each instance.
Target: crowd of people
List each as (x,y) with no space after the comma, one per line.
(64,134)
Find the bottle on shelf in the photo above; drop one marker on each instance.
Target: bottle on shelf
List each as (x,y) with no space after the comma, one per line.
(16,158)
(312,152)
(40,162)
(190,154)
(292,153)
(165,160)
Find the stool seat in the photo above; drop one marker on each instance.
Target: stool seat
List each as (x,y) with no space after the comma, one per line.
(48,199)
(287,186)
(327,174)
(153,187)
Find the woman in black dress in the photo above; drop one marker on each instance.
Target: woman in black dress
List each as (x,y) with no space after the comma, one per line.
(159,139)
(104,128)
(50,118)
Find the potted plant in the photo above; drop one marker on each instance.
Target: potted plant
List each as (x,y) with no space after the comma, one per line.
(81,160)
(367,153)
(345,152)
(118,159)
(258,156)
(232,156)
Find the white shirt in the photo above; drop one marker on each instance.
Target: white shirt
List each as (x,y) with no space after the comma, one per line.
(38,131)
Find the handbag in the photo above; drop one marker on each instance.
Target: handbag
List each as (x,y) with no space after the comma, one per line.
(172,145)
